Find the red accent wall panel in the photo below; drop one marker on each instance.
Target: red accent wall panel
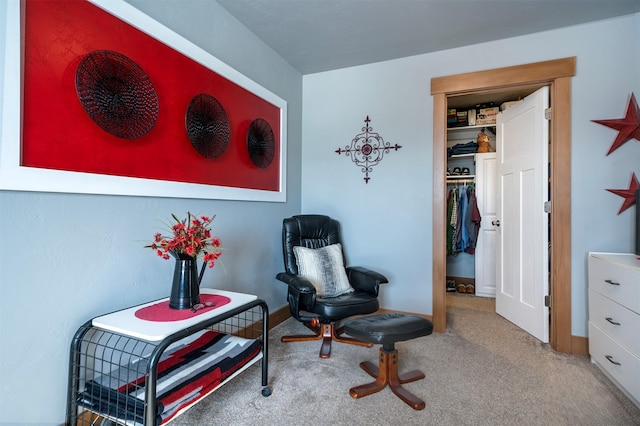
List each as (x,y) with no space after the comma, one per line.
(59,134)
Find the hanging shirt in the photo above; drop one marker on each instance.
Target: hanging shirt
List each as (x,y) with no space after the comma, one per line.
(462,241)
(449,227)
(473,220)
(453,224)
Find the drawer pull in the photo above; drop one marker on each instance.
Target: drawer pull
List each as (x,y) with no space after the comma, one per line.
(611,282)
(612,321)
(610,359)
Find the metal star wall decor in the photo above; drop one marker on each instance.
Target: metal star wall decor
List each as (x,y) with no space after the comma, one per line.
(367,149)
(628,127)
(629,195)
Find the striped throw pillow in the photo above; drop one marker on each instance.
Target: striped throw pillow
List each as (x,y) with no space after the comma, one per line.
(324,267)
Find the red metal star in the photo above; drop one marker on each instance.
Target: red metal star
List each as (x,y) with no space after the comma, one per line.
(629,195)
(628,127)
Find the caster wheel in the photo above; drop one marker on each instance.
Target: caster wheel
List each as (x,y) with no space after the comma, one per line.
(266,391)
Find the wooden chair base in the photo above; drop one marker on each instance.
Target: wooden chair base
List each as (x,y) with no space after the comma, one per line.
(328,333)
(387,374)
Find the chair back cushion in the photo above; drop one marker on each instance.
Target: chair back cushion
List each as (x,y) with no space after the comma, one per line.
(310,231)
(324,267)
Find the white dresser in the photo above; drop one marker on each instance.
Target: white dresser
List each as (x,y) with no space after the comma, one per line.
(614,318)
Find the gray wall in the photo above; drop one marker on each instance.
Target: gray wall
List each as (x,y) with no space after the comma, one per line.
(65,258)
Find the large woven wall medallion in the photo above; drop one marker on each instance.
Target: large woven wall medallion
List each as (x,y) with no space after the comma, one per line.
(117,94)
(367,149)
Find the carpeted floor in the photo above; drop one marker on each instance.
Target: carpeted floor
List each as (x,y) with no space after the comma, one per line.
(468,301)
(482,371)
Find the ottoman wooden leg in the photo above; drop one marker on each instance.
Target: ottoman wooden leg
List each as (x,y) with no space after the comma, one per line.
(387,374)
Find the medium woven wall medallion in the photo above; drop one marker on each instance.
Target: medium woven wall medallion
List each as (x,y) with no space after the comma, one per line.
(117,94)
(367,149)
(207,125)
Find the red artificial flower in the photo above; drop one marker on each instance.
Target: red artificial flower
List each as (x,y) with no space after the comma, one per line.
(191,237)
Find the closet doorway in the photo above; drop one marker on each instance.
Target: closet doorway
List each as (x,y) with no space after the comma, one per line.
(557,75)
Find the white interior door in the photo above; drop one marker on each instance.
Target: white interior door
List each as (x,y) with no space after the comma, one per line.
(522,140)
(486,197)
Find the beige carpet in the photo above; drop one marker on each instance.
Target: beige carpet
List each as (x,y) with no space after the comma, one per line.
(482,371)
(468,301)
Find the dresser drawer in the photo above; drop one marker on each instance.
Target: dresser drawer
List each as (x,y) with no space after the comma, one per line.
(615,320)
(619,283)
(623,366)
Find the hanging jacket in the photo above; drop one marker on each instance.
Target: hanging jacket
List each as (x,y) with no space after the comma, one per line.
(472,220)
(462,240)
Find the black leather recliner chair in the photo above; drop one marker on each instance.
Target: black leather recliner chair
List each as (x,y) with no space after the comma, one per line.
(320,314)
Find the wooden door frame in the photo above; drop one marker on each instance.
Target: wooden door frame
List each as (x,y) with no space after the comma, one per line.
(557,75)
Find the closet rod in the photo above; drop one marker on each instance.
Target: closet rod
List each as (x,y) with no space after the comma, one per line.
(460,181)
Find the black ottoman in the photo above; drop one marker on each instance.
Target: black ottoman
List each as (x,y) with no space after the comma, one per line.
(387,329)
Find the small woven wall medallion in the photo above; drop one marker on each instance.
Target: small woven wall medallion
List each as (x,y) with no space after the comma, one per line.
(367,149)
(207,125)
(116,94)
(261,143)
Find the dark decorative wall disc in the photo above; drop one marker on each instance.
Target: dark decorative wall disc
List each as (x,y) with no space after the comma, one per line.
(260,143)
(207,125)
(117,94)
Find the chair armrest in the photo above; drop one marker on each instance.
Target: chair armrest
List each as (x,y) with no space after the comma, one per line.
(365,279)
(296,283)
(301,296)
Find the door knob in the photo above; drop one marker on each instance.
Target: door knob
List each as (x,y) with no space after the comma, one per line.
(495,222)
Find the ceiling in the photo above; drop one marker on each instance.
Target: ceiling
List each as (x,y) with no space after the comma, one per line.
(321,35)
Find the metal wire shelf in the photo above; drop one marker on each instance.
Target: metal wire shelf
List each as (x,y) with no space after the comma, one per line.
(125,380)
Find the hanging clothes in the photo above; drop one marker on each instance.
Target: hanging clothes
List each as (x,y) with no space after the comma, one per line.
(452,223)
(449,227)
(463,220)
(472,220)
(462,238)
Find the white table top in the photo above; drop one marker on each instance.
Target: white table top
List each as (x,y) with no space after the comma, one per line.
(627,260)
(125,322)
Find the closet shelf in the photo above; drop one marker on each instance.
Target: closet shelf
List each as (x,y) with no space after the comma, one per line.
(481,126)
